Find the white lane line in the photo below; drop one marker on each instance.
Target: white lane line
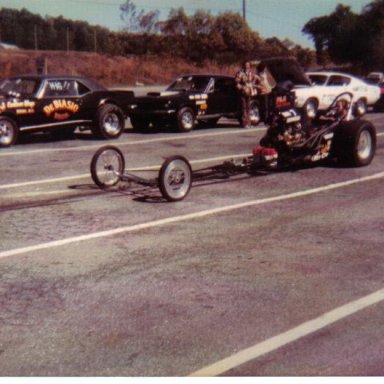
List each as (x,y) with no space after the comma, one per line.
(146,141)
(44,181)
(148,168)
(290,336)
(190,216)
(176,137)
(86,175)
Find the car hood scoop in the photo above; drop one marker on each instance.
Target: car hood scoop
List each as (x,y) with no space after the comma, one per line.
(163,93)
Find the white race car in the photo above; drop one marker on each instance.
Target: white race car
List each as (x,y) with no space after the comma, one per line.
(328,85)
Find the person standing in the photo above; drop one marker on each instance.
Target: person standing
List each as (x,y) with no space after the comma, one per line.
(265,86)
(246,84)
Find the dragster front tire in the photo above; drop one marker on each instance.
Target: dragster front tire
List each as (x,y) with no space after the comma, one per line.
(107,166)
(175,178)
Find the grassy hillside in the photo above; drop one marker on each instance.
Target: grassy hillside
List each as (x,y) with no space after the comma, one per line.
(109,70)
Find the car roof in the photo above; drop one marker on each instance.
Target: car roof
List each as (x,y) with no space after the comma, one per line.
(214,75)
(328,73)
(90,83)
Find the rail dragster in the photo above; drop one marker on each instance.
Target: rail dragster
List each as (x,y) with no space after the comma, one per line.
(288,143)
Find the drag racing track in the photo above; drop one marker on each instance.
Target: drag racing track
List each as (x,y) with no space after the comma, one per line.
(278,274)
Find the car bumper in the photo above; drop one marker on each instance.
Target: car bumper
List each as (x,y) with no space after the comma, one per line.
(380,103)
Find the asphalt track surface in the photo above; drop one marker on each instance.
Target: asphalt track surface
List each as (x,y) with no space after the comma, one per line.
(274,275)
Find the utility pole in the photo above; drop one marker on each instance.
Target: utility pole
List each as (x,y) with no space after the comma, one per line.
(244,11)
(35,36)
(67,39)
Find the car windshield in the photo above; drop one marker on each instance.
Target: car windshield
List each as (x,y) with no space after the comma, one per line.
(373,80)
(190,83)
(317,79)
(18,86)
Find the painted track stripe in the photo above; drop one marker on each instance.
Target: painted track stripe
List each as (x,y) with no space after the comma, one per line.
(86,175)
(290,336)
(190,216)
(145,141)
(176,137)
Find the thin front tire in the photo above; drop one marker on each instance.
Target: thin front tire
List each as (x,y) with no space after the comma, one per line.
(107,166)
(175,178)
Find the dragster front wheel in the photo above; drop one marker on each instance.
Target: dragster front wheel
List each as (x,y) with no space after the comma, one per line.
(107,166)
(175,178)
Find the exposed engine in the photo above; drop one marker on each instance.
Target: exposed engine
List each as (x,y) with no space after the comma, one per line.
(291,140)
(285,131)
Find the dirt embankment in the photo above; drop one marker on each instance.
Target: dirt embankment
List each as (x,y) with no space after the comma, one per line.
(109,70)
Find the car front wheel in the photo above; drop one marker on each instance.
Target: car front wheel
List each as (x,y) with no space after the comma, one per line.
(310,108)
(360,107)
(185,119)
(255,113)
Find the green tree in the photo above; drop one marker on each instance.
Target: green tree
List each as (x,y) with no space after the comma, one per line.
(239,40)
(82,37)
(202,39)
(130,16)
(148,22)
(138,21)
(372,37)
(176,24)
(345,37)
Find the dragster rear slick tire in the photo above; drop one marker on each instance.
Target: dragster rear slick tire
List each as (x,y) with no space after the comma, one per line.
(107,166)
(356,143)
(175,178)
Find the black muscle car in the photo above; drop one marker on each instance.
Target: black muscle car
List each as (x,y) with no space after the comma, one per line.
(205,98)
(60,103)
(190,99)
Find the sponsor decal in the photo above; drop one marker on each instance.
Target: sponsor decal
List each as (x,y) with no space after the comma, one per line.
(282,101)
(20,107)
(61,109)
(203,96)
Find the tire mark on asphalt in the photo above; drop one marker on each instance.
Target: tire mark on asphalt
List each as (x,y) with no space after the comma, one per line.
(87,175)
(186,217)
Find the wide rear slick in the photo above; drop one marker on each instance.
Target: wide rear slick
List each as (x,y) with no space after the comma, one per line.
(355,143)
